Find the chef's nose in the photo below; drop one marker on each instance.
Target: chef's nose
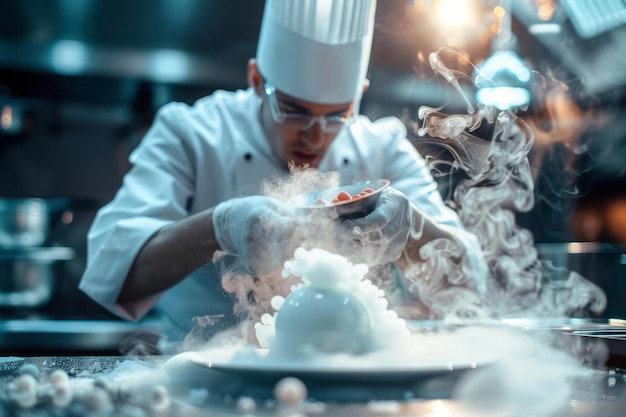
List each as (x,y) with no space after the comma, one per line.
(314,135)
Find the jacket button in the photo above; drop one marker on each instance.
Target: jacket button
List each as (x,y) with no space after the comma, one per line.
(247,156)
(345,161)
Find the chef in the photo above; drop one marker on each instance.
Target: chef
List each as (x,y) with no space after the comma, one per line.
(193,188)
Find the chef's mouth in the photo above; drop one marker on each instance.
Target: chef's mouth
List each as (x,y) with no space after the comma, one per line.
(300,158)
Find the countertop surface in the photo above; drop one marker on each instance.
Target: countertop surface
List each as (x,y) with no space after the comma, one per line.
(201,384)
(143,386)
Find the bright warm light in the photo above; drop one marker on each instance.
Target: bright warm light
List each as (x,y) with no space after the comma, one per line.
(576,247)
(6,117)
(545,9)
(455,13)
(499,12)
(441,409)
(545,13)
(616,219)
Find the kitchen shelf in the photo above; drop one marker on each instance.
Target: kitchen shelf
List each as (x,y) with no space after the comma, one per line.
(37,253)
(23,337)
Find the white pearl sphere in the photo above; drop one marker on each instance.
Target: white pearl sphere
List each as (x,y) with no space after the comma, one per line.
(325,320)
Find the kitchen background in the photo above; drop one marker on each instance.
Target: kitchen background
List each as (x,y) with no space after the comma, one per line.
(80,81)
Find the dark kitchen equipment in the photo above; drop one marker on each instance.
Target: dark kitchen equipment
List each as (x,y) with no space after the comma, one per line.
(27,274)
(603,264)
(27,222)
(598,342)
(79,336)
(319,202)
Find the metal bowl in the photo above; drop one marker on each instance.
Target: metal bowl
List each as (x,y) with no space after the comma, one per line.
(27,275)
(320,202)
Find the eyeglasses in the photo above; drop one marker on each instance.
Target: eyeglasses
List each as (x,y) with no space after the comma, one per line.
(299,121)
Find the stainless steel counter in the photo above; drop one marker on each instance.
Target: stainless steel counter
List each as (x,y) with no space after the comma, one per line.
(598,393)
(165,385)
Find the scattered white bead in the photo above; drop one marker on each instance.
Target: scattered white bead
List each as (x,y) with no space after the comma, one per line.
(159,400)
(98,400)
(31,369)
(290,391)
(266,318)
(59,376)
(62,395)
(246,405)
(277,301)
(25,391)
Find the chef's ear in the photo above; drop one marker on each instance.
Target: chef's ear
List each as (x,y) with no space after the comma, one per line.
(254,78)
(366,85)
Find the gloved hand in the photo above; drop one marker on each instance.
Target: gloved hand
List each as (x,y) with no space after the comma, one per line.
(258,228)
(379,237)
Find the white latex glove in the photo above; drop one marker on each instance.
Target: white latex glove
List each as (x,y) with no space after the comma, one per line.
(258,228)
(379,237)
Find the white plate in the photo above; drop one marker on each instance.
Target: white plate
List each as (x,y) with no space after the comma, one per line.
(429,366)
(339,367)
(231,373)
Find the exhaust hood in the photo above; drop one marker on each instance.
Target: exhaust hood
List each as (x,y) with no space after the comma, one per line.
(588,37)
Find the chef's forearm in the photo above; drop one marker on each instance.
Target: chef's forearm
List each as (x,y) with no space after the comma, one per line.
(170,255)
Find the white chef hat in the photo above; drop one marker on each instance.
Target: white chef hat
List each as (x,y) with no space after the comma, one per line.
(316,50)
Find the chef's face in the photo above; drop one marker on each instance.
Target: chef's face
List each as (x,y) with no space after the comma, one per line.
(299,131)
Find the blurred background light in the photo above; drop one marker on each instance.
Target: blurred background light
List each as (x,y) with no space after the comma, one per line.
(168,65)
(69,57)
(503,79)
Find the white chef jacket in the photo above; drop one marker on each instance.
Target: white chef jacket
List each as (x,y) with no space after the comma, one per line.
(193,158)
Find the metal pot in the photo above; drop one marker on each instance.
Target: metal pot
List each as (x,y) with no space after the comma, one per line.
(23,222)
(26,222)
(27,275)
(604,264)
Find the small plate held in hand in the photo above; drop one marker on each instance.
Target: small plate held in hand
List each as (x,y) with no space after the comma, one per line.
(347,201)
